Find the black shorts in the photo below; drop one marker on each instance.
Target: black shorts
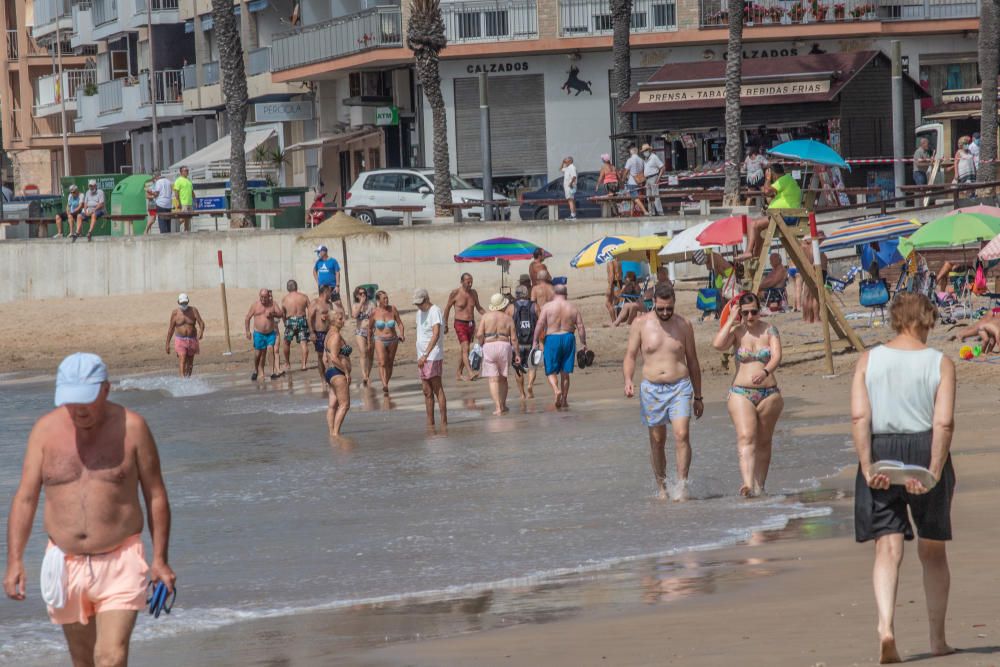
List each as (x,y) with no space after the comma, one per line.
(883,512)
(525,353)
(319,342)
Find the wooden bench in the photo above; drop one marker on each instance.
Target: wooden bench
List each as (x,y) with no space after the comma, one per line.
(457,209)
(406,210)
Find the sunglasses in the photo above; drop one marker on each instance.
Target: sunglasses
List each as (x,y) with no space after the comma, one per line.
(750,312)
(665,309)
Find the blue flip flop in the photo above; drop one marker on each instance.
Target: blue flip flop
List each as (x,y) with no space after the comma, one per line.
(159,599)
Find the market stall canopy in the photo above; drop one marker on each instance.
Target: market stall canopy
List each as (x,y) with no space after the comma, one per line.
(598,251)
(336,138)
(868,231)
(952,231)
(810,151)
(702,85)
(219,151)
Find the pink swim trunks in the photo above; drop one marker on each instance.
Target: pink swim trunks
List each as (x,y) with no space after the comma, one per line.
(496,359)
(186,346)
(111,581)
(431,369)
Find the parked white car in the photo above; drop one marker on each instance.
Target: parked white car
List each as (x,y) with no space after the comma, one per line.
(377,189)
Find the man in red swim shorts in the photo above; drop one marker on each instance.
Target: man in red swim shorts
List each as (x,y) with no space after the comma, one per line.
(91,457)
(465,301)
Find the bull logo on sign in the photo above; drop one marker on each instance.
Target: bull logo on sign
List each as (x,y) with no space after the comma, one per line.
(574,82)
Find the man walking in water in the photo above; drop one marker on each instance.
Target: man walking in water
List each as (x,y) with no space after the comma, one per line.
(91,456)
(430,353)
(525,316)
(264,314)
(560,322)
(294,306)
(671,377)
(319,324)
(465,300)
(186,328)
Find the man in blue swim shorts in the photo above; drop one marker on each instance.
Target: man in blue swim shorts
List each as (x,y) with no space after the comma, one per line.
(265,314)
(560,322)
(671,378)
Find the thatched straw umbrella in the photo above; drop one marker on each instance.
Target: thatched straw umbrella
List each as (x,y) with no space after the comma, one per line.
(342,226)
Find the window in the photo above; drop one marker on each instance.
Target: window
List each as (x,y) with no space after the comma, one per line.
(602,22)
(638,20)
(142,158)
(468,25)
(587,182)
(413,183)
(664,15)
(388,182)
(370,84)
(496,23)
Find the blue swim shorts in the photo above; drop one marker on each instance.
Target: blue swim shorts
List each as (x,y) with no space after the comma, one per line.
(661,403)
(262,341)
(560,351)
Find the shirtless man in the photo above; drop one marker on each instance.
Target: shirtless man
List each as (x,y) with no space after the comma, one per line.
(537,265)
(497,336)
(318,315)
(542,292)
(560,322)
(91,456)
(775,279)
(671,376)
(264,313)
(465,301)
(987,330)
(186,328)
(294,306)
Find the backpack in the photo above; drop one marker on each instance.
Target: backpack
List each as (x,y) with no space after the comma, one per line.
(524,321)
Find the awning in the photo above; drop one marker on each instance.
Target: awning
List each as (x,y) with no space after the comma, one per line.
(207,22)
(338,138)
(219,151)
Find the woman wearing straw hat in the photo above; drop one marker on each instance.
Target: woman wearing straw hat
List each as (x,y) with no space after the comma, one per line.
(495,335)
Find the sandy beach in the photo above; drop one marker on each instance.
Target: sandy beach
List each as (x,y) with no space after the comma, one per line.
(796,595)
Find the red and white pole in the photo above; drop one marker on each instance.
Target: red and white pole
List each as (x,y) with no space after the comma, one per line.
(225,307)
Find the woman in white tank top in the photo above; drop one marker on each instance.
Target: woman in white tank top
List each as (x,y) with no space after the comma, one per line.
(902,408)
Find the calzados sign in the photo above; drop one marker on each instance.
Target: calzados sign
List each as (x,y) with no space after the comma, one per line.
(497,68)
(719,92)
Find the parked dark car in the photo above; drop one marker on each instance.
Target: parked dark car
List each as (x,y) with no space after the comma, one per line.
(586,187)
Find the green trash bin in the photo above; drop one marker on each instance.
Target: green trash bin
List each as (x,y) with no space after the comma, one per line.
(291,201)
(106,182)
(50,208)
(129,198)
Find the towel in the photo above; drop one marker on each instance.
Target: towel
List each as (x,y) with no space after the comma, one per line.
(53,577)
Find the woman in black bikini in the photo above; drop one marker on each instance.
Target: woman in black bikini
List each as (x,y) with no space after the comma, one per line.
(361,312)
(755,403)
(386,327)
(337,357)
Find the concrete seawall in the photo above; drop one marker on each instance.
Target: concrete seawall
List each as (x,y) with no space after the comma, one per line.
(417,256)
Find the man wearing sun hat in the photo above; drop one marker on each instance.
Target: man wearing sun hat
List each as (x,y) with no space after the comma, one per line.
(91,457)
(186,329)
(326,271)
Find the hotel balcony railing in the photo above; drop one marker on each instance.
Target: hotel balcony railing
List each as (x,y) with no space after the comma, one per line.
(14,46)
(104,11)
(73,79)
(259,61)
(158,6)
(210,73)
(50,126)
(166,84)
(489,20)
(371,29)
(48,11)
(109,96)
(189,75)
(770,12)
(579,18)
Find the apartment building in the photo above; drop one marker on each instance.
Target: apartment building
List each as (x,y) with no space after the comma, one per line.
(549,64)
(34,98)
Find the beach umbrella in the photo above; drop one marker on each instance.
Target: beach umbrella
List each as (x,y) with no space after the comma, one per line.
(991,250)
(502,250)
(641,249)
(598,251)
(980,208)
(864,232)
(954,230)
(727,231)
(811,151)
(342,226)
(686,243)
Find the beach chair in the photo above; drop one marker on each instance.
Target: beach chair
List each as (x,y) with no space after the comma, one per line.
(776,295)
(837,286)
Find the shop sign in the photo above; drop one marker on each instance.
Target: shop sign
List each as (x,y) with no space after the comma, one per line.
(217,203)
(289,201)
(273,112)
(387,116)
(719,92)
(968,96)
(497,68)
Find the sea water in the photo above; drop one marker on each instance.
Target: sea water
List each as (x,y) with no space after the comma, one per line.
(271,518)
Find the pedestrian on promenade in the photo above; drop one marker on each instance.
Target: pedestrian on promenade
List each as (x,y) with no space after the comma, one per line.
(163,197)
(93,208)
(671,383)
(91,457)
(634,172)
(922,161)
(903,409)
(568,170)
(74,205)
(430,354)
(653,171)
(184,194)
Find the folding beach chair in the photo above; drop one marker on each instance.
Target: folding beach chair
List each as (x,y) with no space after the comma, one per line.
(837,286)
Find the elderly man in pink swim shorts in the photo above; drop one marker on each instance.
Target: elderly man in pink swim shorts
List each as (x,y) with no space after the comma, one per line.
(186,329)
(495,334)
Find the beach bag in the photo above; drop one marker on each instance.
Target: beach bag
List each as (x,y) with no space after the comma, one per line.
(874,293)
(524,321)
(707,300)
(476,357)
(640,178)
(979,285)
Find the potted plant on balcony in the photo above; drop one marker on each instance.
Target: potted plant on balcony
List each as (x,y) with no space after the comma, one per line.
(90,89)
(839,11)
(775,14)
(720,17)
(860,11)
(797,14)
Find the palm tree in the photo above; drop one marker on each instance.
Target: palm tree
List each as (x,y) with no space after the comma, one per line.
(234,91)
(425,37)
(989,64)
(734,114)
(621,78)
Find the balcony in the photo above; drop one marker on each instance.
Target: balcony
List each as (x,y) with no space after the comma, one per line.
(83,25)
(46,127)
(104,12)
(163,12)
(124,104)
(584,18)
(109,96)
(259,61)
(259,83)
(166,86)
(48,93)
(783,12)
(210,73)
(51,15)
(489,20)
(371,29)
(17,47)
(189,76)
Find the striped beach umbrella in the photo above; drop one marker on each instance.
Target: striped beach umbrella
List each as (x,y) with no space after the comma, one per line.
(868,231)
(598,251)
(991,250)
(499,248)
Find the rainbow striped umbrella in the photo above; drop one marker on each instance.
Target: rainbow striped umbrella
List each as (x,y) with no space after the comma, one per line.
(599,251)
(498,248)
(868,231)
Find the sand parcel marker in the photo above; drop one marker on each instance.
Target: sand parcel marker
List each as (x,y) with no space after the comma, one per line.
(225,307)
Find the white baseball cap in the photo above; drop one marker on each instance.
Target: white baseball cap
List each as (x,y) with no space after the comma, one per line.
(79,378)
(92,181)
(321,248)
(183,298)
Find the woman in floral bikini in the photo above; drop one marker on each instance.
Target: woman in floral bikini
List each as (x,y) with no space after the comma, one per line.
(755,402)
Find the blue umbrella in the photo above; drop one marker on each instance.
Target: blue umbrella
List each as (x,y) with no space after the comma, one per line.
(809,150)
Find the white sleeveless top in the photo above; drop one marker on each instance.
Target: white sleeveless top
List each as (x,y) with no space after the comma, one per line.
(901,388)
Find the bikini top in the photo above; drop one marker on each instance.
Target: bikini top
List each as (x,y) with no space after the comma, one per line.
(345,350)
(745,355)
(365,314)
(382,324)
